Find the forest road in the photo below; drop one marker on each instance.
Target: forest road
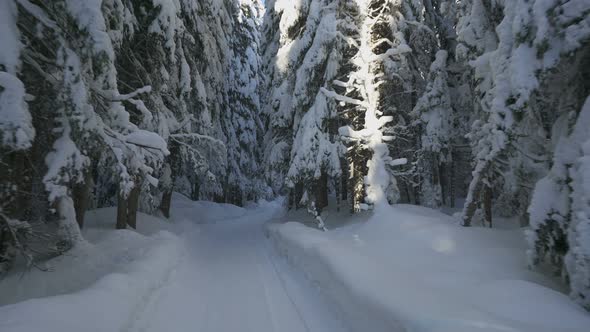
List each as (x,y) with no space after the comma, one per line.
(230,280)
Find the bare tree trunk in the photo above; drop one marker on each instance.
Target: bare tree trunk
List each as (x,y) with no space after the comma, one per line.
(298,194)
(474,196)
(436,181)
(166,203)
(344,180)
(291,199)
(121,211)
(337,192)
(351,183)
(444,193)
(487,204)
(133,205)
(471,207)
(195,191)
(81,196)
(322,192)
(452,191)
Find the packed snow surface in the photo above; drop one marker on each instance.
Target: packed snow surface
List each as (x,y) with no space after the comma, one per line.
(211,270)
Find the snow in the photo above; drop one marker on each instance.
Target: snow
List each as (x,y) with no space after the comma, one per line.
(147,139)
(209,268)
(112,273)
(9,35)
(16,129)
(412,268)
(168,23)
(16,125)
(89,16)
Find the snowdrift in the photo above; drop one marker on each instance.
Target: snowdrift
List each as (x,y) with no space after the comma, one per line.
(98,286)
(413,269)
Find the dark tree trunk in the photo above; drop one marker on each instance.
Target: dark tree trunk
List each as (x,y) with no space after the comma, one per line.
(452,188)
(344,180)
(487,204)
(298,194)
(322,192)
(81,196)
(476,194)
(166,203)
(195,191)
(121,211)
(337,193)
(350,186)
(472,206)
(291,199)
(133,205)
(444,195)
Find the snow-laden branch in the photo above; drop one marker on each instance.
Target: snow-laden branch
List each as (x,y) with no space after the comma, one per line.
(114,95)
(147,140)
(199,137)
(38,13)
(398,162)
(401,49)
(344,99)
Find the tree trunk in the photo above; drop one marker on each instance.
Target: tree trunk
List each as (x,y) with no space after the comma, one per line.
(195,191)
(471,207)
(322,192)
(337,193)
(81,196)
(121,211)
(452,188)
(133,205)
(166,203)
(344,180)
(487,204)
(298,194)
(444,194)
(351,183)
(474,195)
(291,198)
(436,184)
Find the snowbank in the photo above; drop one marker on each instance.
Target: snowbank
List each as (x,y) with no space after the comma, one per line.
(413,269)
(203,211)
(99,286)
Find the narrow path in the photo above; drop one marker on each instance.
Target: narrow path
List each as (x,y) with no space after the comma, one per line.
(231,281)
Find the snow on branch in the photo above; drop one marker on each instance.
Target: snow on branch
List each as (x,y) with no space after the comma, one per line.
(345,99)
(114,95)
(401,49)
(199,137)
(38,13)
(148,140)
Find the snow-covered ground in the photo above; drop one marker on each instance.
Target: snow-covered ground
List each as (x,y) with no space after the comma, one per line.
(413,269)
(212,269)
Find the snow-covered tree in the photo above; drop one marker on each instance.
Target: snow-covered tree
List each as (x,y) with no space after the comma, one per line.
(100,99)
(242,122)
(530,45)
(559,211)
(302,57)
(435,115)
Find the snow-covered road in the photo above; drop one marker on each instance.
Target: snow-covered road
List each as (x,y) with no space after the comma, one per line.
(230,280)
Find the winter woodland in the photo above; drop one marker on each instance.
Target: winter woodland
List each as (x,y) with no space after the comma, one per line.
(479,108)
